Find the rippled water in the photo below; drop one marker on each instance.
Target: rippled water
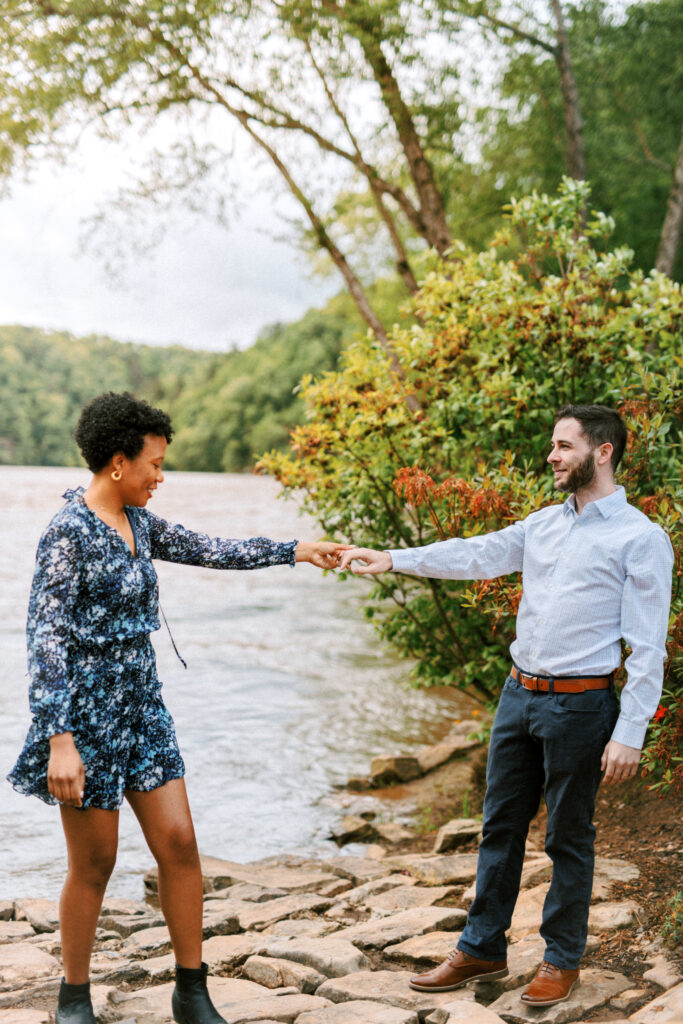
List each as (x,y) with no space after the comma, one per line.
(288,691)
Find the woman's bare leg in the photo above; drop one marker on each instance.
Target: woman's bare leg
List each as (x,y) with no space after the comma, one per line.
(166,821)
(91,842)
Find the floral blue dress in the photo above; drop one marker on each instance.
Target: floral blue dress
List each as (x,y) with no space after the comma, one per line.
(93,672)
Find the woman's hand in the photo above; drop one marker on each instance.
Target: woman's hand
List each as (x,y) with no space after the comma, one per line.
(325,554)
(375,561)
(65,771)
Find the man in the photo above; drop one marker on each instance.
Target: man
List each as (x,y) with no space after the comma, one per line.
(595,570)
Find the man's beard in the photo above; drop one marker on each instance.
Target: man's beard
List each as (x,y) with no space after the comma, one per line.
(581,476)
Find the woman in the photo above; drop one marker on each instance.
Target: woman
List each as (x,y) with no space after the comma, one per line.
(100,729)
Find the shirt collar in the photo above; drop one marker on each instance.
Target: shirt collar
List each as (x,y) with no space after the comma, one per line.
(606,506)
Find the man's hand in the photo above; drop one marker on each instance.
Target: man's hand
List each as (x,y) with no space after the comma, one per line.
(65,772)
(619,762)
(325,554)
(375,561)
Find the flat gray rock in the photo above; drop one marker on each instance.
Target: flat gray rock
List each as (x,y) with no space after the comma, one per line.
(524,959)
(220,874)
(609,871)
(258,916)
(537,869)
(528,911)
(423,951)
(392,832)
(665,1009)
(437,869)
(663,972)
(274,973)
(15,931)
(24,1016)
(353,829)
(429,758)
(398,927)
(221,917)
(405,897)
(228,951)
(332,956)
(357,869)
(282,1008)
(43,915)
(21,963)
(461,1011)
(247,892)
(604,917)
(383,987)
(148,942)
(595,989)
(156,1000)
(456,833)
(361,893)
(126,924)
(386,769)
(122,905)
(301,927)
(359,1011)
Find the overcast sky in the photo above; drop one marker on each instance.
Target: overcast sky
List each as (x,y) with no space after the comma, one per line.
(204,286)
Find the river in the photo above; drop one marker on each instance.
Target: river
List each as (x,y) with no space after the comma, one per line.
(288,691)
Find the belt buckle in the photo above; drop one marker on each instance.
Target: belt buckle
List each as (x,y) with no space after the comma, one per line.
(534,683)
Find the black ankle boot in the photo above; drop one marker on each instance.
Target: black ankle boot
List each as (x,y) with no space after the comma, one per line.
(191,1001)
(74,1005)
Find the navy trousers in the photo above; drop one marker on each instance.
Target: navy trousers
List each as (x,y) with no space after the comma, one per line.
(551,744)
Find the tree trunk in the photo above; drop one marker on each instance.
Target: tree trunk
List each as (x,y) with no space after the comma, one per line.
(673,221)
(576,156)
(432,212)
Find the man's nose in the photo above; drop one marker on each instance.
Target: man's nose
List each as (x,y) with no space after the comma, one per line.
(554,456)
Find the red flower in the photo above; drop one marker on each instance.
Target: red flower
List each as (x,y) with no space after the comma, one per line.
(659,713)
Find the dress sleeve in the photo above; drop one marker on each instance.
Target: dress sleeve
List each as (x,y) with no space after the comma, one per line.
(174,543)
(48,630)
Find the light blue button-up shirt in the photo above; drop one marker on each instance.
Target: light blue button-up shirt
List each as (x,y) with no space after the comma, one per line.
(590,580)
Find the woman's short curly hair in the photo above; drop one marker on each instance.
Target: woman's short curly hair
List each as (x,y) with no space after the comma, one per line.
(114,423)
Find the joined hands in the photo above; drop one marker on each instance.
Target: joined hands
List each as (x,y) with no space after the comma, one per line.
(375,561)
(325,554)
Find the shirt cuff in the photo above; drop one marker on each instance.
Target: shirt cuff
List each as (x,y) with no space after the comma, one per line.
(631,734)
(402,559)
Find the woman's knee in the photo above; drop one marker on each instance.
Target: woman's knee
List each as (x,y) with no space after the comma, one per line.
(177,846)
(94,866)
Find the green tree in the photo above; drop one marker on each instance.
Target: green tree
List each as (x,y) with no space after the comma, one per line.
(630,82)
(499,344)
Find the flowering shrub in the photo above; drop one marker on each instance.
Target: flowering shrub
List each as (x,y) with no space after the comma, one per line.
(496,342)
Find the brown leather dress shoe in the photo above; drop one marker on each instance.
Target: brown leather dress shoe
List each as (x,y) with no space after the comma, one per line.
(551,985)
(457,970)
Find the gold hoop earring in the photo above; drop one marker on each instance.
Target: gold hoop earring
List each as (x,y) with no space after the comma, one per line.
(116,475)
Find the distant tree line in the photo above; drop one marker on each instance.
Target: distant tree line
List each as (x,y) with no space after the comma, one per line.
(226,408)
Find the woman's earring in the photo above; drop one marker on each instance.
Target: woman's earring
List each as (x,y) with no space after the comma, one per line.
(116,475)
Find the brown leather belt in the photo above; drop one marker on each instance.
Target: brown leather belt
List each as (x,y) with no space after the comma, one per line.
(547,684)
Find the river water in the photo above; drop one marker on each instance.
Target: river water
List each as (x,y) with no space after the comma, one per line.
(288,691)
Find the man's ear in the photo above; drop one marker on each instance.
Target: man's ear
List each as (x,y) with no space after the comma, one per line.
(605,453)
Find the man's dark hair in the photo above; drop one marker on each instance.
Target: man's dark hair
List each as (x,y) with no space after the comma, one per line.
(600,424)
(114,423)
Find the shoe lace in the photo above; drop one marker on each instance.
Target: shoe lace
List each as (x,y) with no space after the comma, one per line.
(547,968)
(454,953)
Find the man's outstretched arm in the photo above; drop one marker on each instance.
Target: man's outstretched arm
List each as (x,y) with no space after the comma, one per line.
(459,558)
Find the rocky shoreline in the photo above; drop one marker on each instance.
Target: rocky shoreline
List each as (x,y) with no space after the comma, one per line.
(334,941)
